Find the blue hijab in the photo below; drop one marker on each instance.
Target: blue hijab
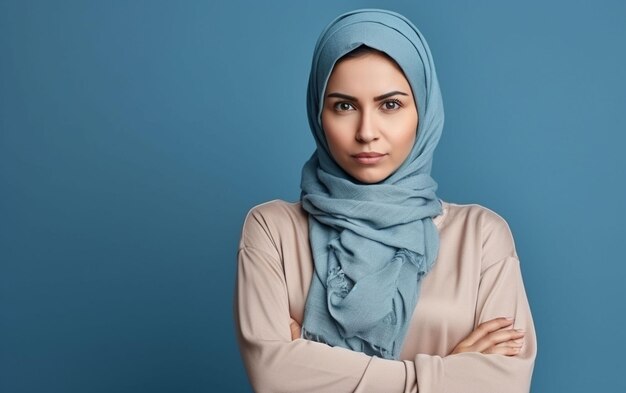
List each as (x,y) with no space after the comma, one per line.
(371,243)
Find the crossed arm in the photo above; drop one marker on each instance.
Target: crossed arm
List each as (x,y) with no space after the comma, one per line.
(495,336)
(491,359)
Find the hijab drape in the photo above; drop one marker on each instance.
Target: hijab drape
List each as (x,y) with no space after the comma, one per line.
(371,243)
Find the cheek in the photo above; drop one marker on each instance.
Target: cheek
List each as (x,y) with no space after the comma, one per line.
(337,143)
(329,129)
(336,131)
(408,137)
(405,139)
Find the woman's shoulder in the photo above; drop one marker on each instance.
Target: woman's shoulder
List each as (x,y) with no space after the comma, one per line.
(277,210)
(268,220)
(472,211)
(486,226)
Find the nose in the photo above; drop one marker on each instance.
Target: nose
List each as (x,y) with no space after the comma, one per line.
(367,131)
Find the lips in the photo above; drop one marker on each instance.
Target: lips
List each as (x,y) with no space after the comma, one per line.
(368,155)
(368,158)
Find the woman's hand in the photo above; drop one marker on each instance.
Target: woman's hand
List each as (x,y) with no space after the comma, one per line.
(493,336)
(295,329)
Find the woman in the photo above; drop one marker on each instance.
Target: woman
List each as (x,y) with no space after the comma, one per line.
(370,282)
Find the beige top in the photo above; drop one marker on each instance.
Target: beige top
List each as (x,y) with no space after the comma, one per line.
(476,277)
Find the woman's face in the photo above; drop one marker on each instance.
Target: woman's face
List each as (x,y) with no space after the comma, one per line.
(369,117)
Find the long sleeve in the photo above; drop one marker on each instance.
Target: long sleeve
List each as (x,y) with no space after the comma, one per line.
(273,361)
(477,278)
(501,293)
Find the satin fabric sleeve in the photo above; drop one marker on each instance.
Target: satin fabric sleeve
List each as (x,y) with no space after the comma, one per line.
(276,363)
(501,293)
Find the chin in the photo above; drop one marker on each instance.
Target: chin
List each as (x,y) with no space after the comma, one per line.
(370,178)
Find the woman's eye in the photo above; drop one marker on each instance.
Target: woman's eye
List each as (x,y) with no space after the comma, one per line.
(392,104)
(342,106)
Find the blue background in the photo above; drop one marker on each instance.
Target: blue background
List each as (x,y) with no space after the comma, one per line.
(135,136)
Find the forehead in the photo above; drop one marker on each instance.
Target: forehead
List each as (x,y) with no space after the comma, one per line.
(371,71)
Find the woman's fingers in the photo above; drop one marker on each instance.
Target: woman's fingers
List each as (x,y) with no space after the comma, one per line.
(295,329)
(485,328)
(518,343)
(493,336)
(508,348)
(498,337)
(504,350)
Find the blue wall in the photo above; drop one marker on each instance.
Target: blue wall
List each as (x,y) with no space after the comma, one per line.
(135,136)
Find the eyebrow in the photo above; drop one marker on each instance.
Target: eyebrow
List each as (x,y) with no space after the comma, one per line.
(381,97)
